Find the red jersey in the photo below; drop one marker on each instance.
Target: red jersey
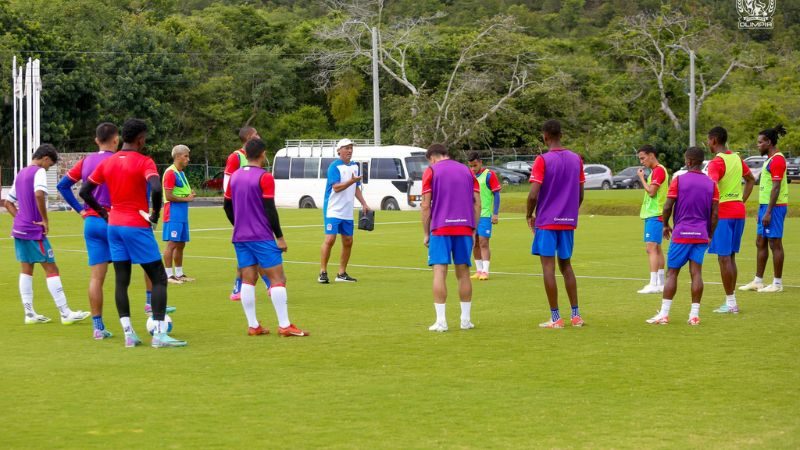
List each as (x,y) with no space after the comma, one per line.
(126,174)
(716,170)
(537,176)
(673,193)
(427,188)
(234,161)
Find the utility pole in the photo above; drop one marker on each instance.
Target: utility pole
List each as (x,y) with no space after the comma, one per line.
(692,102)
(376,98)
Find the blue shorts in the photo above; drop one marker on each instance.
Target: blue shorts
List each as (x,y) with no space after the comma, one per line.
(653,230)
(680,254)
(266,254)
(552,242)
(485,227)
(338,226)
(34,251)
(135,244)
(95,233)
(450,250)
(727,237)
(775,230)
(175,232)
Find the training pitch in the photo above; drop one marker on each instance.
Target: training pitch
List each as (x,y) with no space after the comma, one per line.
(371,375)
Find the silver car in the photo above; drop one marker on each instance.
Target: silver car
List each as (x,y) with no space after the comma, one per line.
(598,176)
(756,165)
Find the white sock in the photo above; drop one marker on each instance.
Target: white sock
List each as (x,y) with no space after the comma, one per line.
(466,309)
(126,324)
(57,291)
(777,281)
(665,306)
(653,278)
(178,271)
(660,277)
(758,280)
(730,300)
(440,316)
(479,265)
(695,312)
(249,304)
(26,292)
(169,271)
(279,301)
(161,327)
(486,266)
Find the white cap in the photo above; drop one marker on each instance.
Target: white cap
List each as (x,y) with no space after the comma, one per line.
(343,143)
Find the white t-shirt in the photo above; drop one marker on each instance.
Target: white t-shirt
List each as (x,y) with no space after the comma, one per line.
(339,205)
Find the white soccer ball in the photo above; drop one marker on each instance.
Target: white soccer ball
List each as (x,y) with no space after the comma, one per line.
(151,324)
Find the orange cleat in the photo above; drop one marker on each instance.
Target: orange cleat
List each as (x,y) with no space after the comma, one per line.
(292,330)
(257,331)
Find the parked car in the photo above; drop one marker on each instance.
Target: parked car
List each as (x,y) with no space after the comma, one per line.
(214,183)
(507,176)
(627,178)
(755,164)
(523,167)
(597,176)
(684,169)
(793,169)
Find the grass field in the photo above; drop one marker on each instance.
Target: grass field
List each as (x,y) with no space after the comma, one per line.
(372,376)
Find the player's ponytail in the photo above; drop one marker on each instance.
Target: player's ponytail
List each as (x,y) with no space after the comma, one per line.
(774,133)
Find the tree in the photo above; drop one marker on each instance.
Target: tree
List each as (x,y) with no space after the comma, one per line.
(650,41)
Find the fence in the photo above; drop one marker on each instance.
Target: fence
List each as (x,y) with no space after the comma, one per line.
(195,173)
(496,157)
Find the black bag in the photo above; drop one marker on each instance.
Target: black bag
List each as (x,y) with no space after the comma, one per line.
(366,220)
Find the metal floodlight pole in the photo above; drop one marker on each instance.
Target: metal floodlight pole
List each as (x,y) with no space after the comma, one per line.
(692,102)
(15,93)
(29,111)
(376,98)
(37,104)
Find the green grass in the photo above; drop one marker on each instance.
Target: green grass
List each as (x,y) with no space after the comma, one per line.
(371,375)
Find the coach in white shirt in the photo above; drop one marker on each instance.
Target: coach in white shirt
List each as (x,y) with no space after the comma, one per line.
(344,185)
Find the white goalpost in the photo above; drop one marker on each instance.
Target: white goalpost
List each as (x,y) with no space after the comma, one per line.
(27,87)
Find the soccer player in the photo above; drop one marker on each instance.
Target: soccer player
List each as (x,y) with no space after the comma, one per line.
(490,207)
(177,196)
(236,160)
(344,185)
(727,170)
(655,195)
(773,200)
(130,236)
(695,199)
(27,204)
(94,227)
(258,239)
(451,205)
(556,195)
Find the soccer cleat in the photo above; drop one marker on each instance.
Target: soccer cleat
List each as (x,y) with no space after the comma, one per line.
(550,324)
(751,286)
(31,319)
(323,278)
(74,317)
(440,327)
(465,325)
(576,321)
(345,277)
(725,309)
(148,309)
(772,288)
(658,319)
(132,340)
(174,280)
(483,276)
(650,289)
(184,279)
(257,331)
(292,330)
(99,335)
(475,275)
(163,340)
(693,321)
(236,296)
